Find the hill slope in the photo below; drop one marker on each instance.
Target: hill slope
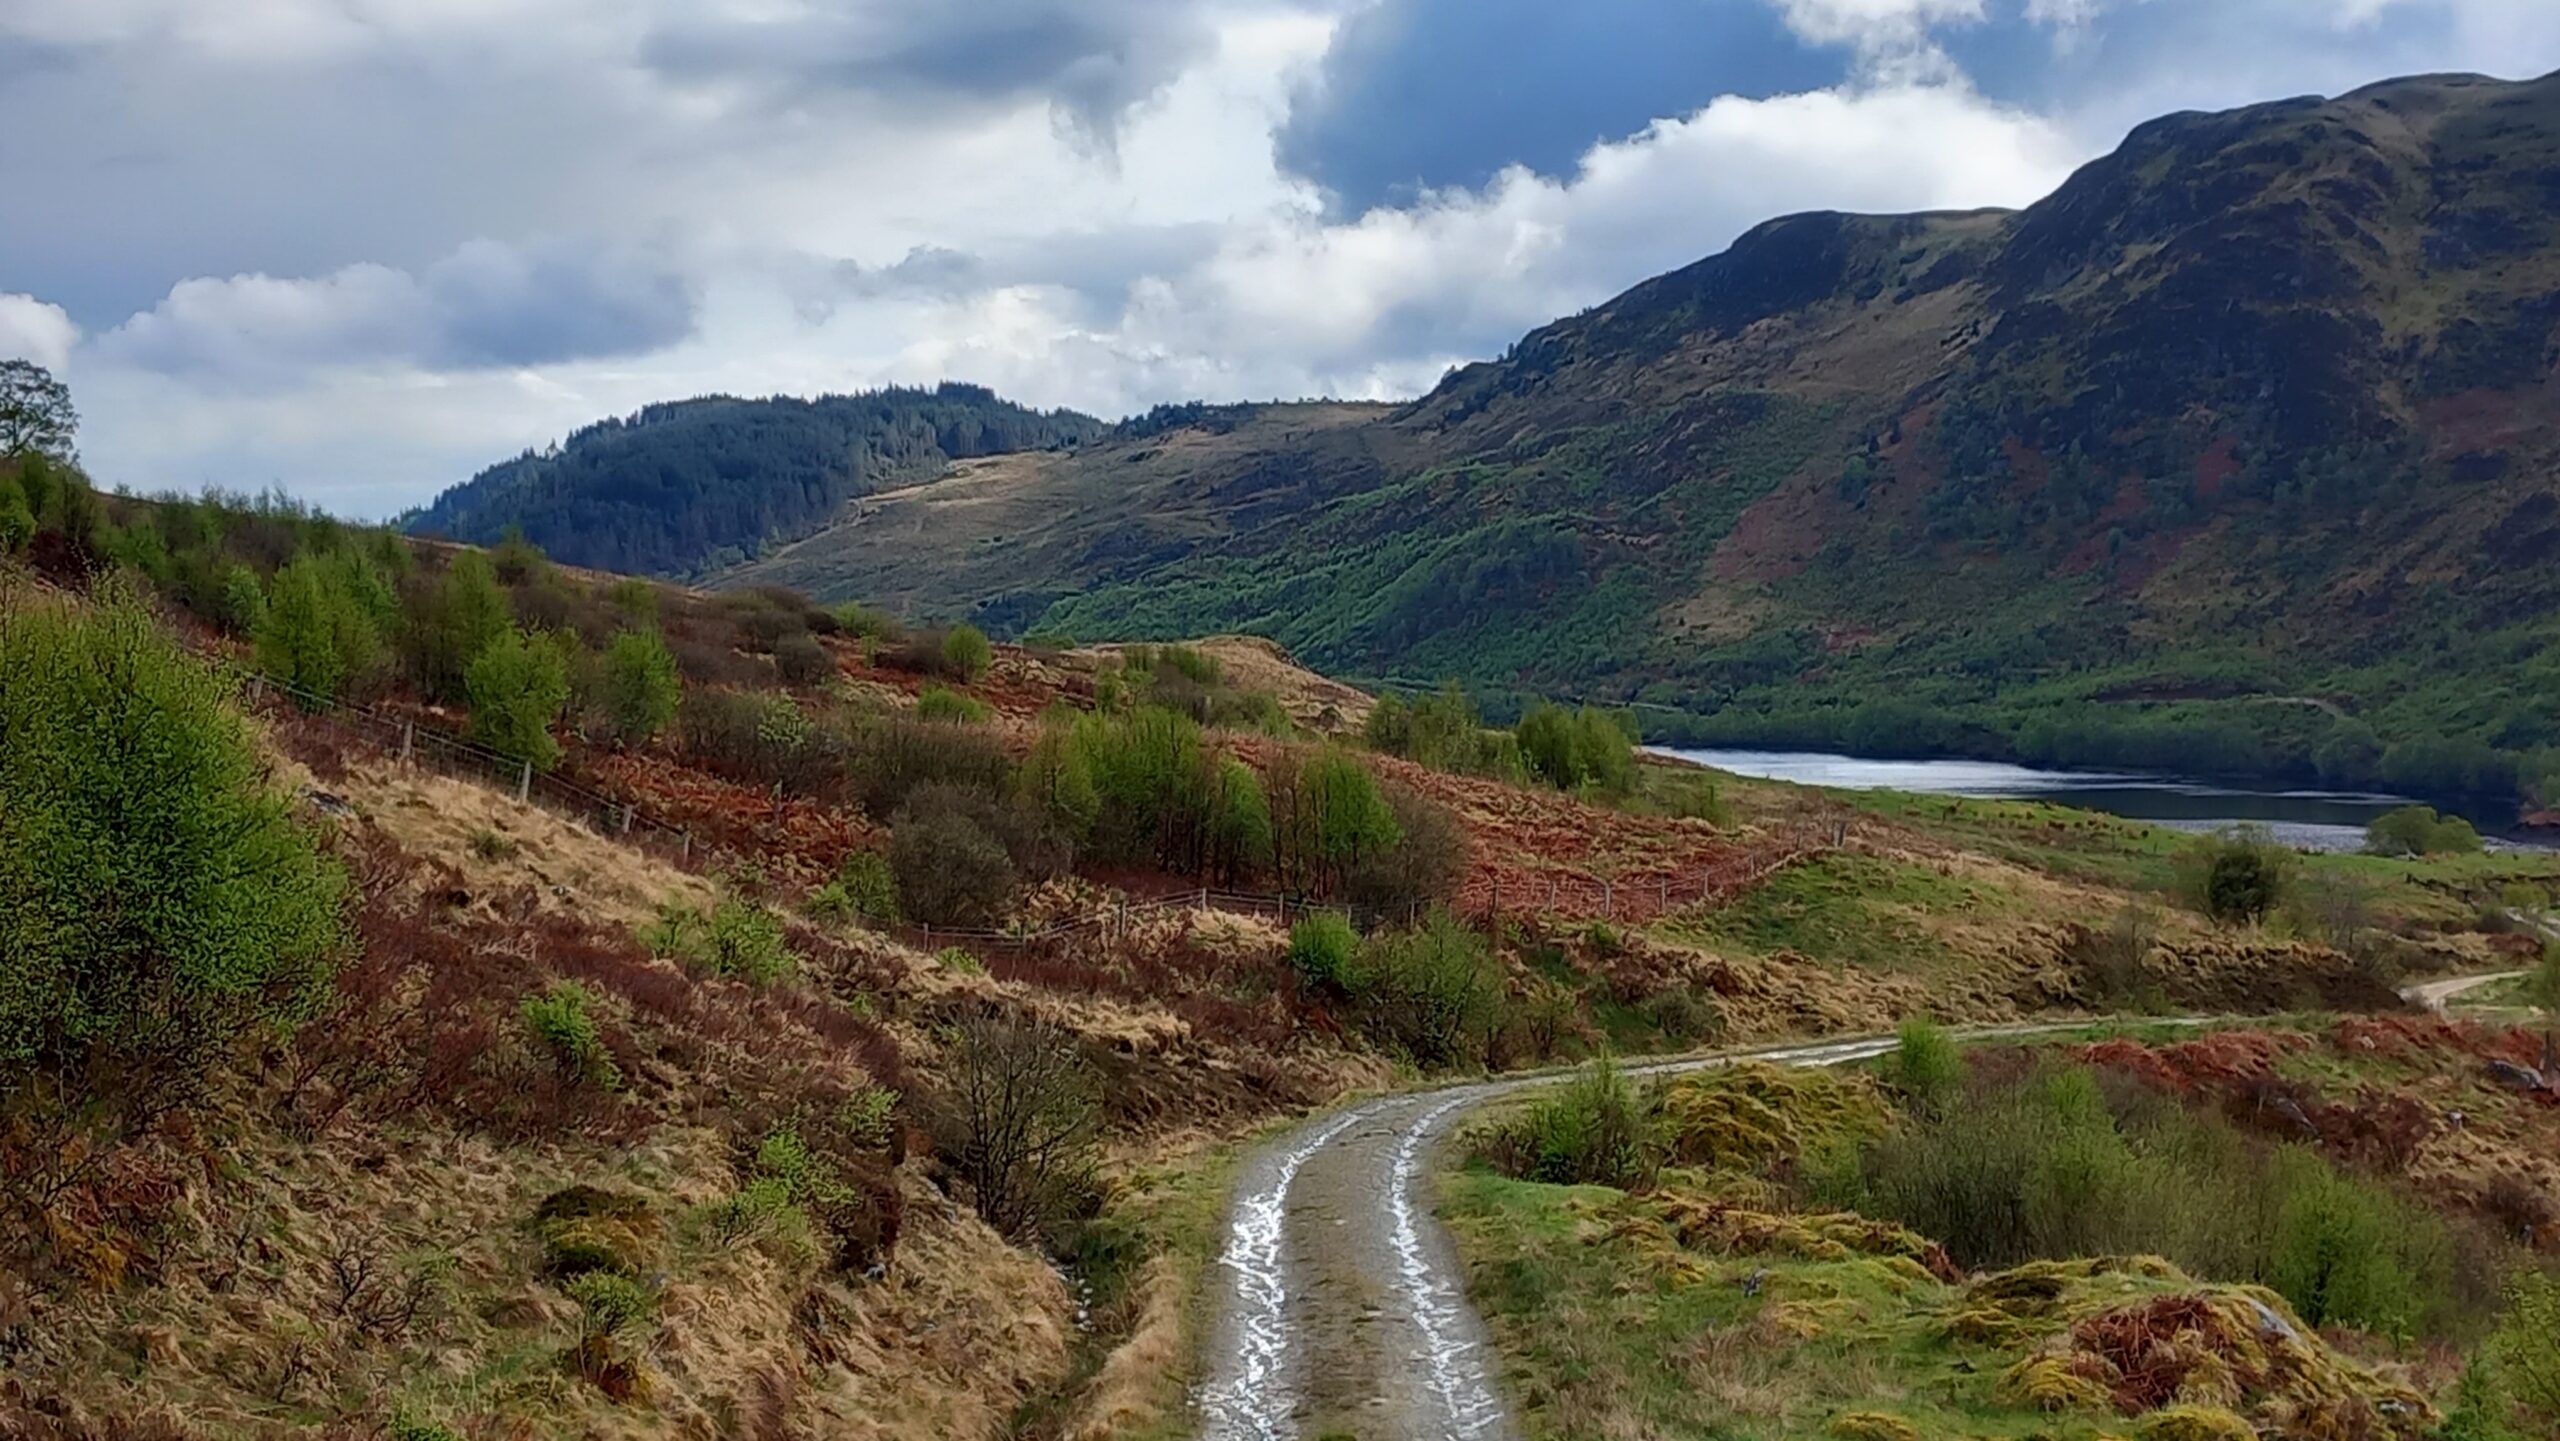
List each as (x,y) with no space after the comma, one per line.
(2256,411)
(694,483)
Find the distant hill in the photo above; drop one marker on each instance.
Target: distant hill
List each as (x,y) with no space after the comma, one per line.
(2236,453)
(694,484)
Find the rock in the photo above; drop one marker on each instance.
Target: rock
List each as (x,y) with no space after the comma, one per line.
(2521,1078)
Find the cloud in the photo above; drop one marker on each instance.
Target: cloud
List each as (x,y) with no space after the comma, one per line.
(30,329)
(1093,58)
(484,306)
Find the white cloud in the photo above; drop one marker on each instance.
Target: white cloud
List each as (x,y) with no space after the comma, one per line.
(363,246)
(30,329)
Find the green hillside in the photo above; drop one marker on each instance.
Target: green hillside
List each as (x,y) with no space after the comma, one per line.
(2236,453)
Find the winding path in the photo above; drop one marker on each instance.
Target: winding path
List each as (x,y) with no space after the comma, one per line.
(1341,1308)
(1340,1305)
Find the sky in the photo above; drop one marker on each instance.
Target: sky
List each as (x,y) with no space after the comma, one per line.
(358,249)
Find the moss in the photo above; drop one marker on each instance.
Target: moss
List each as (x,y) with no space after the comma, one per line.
(1750,1116)
(587,1229)
(2194,1423)
(1873,1426)
(2051,1384)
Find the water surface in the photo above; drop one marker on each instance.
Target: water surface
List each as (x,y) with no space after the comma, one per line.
(2311,819)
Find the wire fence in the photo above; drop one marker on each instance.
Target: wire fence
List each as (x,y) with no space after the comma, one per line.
(407,740)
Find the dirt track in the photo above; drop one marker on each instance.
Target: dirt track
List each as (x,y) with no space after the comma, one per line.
(1340,1308)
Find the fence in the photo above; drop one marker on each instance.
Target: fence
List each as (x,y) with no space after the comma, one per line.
(405,739)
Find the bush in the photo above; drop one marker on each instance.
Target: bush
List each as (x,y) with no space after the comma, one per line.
(1926,1065)
(1019,1123)
(559,1019)
(966,652)
(451,621)
(941,703)
(2235,877)
(2052,1164)
(1444,732)
(322,632)
(2420,831)
(241,606)
(1593,1132)
(893,756)
(1588,749)
(2523,1349)
(1323,949)
(762,738)
(1329,819)
(17,518)
(1421,869)
(1432,993)
(803,660)
(641,687)
(856,619)
(157,903)
(1237,841)
(735,938)
(951,869)
(864,889)
(517,686)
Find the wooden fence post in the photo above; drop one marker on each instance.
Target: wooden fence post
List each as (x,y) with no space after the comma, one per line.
(627,809)
(524,784)
(408,739)
(685,847)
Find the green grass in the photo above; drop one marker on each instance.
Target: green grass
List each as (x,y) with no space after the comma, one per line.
(1845,909)
(1597,1345)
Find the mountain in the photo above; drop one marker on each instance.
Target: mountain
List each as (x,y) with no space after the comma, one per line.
(2237,453)
(684,486)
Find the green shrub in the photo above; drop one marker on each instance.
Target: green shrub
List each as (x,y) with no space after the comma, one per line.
(409,1426)
(2420,831)
(611,1307)
(158,905)
(1421,868)
(966,652)
(941,703)
(2235,877)
(1329,819)
(734,938)
(1444,732)
(1926,1065)
(1432,993)
(1323,950)
(2523,1349)
(559,1018)
(517,685)
(451,621)
(2342,1249)
(1237,842)
(17,518)
(856,619)
(864,889)
(1588,749)
(641,686)
(242,605)
(1592,1132)
(636,598)
(322,632)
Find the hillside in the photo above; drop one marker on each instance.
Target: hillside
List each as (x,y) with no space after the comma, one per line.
(671,982)
(2257,411)
(692,484)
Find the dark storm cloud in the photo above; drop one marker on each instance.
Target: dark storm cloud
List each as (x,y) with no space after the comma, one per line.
(1426,94)
(1093,58)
